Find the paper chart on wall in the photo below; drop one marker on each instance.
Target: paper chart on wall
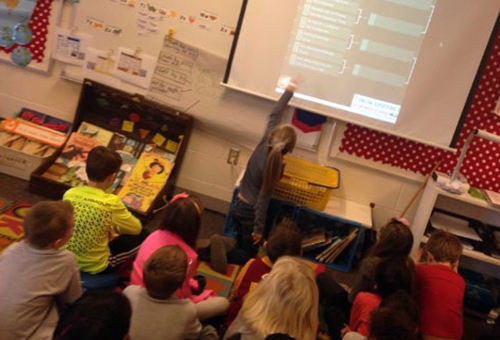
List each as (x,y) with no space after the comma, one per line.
(186,75)
(99,66)
(70,47)
(134,68)
(188,79)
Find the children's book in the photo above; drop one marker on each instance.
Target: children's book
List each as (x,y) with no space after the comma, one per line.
(121,142)
(47,121)
(147,179)
(101,135)
(74,156)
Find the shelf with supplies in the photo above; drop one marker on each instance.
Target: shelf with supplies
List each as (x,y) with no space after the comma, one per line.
(477,224)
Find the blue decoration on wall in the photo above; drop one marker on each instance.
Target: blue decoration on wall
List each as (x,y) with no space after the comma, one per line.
(22,34)
(21,56)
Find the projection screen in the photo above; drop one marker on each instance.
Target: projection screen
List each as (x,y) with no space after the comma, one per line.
(404,67)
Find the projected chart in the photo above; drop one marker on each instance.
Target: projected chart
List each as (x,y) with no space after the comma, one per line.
(362,51)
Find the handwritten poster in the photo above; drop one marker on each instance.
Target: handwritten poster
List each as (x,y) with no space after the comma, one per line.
(185,74)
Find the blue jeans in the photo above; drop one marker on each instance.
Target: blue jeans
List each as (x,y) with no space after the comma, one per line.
(243,215)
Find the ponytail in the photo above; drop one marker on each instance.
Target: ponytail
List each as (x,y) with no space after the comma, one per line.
(273,169)
(281,141)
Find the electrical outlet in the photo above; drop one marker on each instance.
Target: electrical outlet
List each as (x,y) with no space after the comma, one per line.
(234,155)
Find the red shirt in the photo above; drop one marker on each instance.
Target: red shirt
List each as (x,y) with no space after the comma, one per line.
(364,304)
(440,294)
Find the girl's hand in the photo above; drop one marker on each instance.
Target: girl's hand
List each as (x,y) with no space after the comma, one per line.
(292,84)
(256,238)
(345,330)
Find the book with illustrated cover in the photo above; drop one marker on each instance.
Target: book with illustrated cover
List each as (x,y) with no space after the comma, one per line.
(101,135)
(124,143)
(74,156)
(147,179)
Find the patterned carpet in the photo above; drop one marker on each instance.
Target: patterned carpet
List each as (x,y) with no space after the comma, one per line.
(11,221)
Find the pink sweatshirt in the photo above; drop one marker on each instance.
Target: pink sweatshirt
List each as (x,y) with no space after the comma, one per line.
(155,241)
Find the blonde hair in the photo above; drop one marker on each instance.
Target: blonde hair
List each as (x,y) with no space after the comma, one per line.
(286,301)
(281,141)
(47,221)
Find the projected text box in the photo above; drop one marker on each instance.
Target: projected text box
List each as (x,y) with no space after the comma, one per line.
(380,76)
(386,50)
(321,27)
(323,41)
(317,53)
(418,4)
(395,25)
(330,68)
(337,5)
(329,16)
(375,107)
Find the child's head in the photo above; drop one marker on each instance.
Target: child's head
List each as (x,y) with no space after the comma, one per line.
(392,275)
(281,141)
(395,319)
(284,239)
(443,247)
(286,301)
(103,164)
(394,239)
(165,271)
(97,315)
(183,217)
(283,136)
(49,224)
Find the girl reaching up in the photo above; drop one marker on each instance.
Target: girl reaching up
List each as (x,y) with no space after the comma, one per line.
(264,170)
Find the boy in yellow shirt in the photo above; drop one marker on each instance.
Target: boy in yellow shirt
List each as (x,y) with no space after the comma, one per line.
(98,216)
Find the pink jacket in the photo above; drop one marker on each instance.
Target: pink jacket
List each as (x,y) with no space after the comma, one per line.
(161,238)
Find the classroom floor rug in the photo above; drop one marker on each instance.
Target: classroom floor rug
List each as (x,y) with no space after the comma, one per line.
(11,222)
(221,284)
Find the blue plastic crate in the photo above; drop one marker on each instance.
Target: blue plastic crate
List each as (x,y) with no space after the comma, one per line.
(307,219)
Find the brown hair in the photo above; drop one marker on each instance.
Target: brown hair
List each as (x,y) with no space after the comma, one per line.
(102,162)
(281,141)
(395,239)
(165,271)
(444,246)
(284,239)
(395,319)
(48,221)
(183,217)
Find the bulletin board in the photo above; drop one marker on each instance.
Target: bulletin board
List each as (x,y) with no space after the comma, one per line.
(482,162)
(46,16)
(142,25)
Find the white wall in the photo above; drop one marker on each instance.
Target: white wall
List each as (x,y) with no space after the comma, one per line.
(204,169)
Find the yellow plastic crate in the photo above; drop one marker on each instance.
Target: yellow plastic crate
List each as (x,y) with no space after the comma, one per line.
(306,183)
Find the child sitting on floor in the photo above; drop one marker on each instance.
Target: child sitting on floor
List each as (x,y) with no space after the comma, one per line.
(395,319)
(97,315)
(180,226)
(440,289)
(391,276)
(393,240)
(285,301)
(284,239)
(99,216)
(36,277)
(157,312)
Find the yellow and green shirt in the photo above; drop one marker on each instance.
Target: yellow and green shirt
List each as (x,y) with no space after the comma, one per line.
(97,215)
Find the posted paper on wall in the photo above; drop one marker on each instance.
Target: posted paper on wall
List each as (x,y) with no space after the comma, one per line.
(71,47)
(134,68)
(99,66)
